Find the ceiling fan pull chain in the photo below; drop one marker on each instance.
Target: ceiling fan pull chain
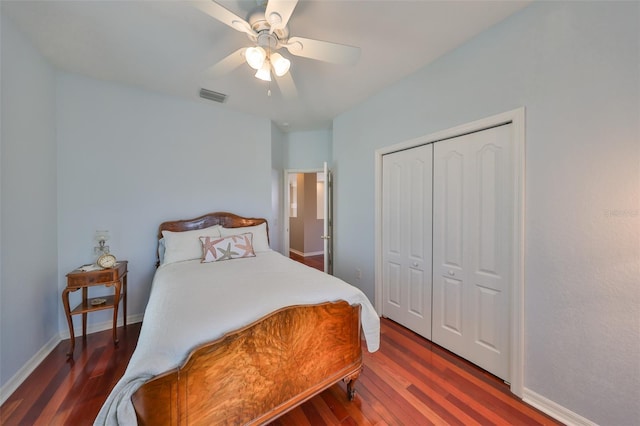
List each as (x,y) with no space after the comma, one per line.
(269,82)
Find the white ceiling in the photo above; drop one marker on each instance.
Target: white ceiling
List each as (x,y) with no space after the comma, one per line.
(165,46)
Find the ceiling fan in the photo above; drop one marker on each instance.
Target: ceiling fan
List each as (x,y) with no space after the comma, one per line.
(268,30)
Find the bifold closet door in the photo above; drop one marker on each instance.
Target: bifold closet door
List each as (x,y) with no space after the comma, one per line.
(406,238)
(472,246)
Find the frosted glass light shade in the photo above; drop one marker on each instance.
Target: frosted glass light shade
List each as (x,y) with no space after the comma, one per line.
(101,236)
(280,64)
(255,57)
(264,73)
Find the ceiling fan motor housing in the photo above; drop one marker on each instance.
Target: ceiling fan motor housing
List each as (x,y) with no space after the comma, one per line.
(268,42)
(267,39)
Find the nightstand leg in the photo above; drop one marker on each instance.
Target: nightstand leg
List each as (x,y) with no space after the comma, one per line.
(67,311)
(84,314)
(124,300)
(115,313)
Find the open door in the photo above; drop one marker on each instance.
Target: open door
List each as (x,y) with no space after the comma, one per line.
(327,235)
(308,226)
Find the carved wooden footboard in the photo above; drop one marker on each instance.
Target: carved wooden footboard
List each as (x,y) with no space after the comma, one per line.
(256,374)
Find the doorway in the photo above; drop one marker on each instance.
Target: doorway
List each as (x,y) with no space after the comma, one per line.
(307,230)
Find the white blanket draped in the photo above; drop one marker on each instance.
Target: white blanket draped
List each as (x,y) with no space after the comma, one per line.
(192,303)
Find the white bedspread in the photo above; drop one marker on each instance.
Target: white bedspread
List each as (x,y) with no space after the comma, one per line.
(192,303)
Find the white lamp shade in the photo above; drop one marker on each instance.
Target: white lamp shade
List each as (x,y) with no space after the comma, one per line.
(255,57)
(264,73)
(280,64)
(101,236)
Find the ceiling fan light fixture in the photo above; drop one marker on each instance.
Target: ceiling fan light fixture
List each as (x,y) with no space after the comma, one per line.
(264,73)
(255,57)
(280,64)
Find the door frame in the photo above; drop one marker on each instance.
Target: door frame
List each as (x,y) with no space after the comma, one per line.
(285,228)
(515,117)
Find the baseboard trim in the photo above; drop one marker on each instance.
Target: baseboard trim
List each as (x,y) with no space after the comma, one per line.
(101,326)
(313,253)
(14,382)
(554,409)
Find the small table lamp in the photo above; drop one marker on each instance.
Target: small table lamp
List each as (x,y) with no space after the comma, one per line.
(101,238)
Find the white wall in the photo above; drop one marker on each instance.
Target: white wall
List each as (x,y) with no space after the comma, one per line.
(29,295)
(130,159)
(575,67)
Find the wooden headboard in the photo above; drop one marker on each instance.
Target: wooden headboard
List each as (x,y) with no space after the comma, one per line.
(228,220)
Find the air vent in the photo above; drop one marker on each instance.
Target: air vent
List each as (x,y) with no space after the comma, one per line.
(213,96)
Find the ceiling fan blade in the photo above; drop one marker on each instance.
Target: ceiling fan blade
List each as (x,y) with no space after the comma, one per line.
(287,86)
(323,50)
(226,65)
(278,13)
(225,16)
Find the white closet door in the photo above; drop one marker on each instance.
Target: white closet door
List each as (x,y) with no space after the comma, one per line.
(472,246)
(406,238)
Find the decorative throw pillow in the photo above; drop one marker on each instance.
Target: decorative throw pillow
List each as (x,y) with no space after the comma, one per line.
(232,247)
(260,239)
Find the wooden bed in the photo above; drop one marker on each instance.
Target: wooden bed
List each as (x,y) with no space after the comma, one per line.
(257,373)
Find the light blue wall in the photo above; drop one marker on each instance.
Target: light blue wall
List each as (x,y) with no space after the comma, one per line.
(130,159)
(575,67)
(80,155)
(278,146)
(29,295)
(308,150)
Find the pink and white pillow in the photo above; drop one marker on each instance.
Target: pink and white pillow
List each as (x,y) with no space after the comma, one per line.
(215,249)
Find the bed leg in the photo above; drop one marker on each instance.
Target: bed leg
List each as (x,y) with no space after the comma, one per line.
(351,390)
(351,381)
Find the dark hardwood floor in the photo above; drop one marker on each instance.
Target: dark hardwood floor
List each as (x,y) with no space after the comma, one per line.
(316,262)
(61,392)
(409,381)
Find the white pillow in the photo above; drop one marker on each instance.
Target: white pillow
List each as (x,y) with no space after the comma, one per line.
(161,249)
(260,239)
(186,245)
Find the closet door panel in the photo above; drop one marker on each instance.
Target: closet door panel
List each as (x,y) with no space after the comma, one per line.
(416,300)
(473,201)
(488,160)
(406,238)
(449,241)
(392,208)
(452,303)
(393,292)
(452,206)
(494,199)
(487,330)
(417,202)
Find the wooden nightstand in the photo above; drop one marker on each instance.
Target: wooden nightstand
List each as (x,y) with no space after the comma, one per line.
(78,279)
